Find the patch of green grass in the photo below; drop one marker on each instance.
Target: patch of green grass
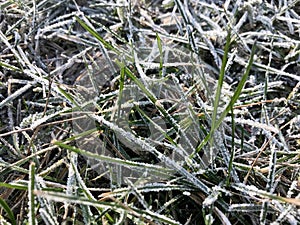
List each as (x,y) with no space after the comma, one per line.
(149,112)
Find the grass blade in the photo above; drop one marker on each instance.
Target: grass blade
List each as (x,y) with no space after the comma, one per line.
(96,35)
(220,82)
(159,45)
(31,201)
(234,98)
(7,209)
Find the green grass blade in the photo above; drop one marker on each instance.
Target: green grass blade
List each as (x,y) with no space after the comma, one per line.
(96,35)
(9,67)
(150,96)
(159,45)
(157,170)
(239,87)
(165,134)
(234,98)
(68,96)
(7,209)
(220,82)
(5,4)
(14,186)
(31,212)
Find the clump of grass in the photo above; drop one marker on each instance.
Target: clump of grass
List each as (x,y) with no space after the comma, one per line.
(164,112)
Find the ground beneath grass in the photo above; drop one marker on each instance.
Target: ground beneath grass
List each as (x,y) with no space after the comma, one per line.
(149,112)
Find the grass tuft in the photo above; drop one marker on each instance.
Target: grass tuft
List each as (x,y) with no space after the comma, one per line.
(149,112)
